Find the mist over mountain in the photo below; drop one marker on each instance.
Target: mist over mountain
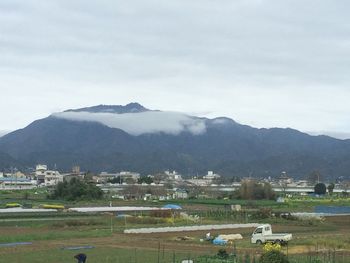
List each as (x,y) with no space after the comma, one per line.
(132,137)
(137,123)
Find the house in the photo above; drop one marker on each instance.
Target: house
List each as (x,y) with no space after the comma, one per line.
(52,178)
(173,175)
(16,183)
(104,177)
(47,177)
(129,177)
(211,176)
(180,194)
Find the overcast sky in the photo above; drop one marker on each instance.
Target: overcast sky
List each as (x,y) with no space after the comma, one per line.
(262,63)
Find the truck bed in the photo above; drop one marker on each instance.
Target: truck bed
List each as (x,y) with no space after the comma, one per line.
(279,236)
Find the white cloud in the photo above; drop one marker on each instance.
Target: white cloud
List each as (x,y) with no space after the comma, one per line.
(141,123)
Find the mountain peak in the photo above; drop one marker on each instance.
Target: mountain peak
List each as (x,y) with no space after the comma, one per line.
(101,138)
(133,107)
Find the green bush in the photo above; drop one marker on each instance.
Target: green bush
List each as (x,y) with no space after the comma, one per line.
(222,254)
(273,256)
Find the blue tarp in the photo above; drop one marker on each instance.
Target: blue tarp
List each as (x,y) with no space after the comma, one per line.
(219,241)
(172,206)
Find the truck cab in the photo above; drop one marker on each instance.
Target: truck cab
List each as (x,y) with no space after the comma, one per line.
(260,232)
(263,234)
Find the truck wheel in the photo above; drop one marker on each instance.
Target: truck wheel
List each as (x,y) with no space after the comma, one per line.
(278,242)
(258,242)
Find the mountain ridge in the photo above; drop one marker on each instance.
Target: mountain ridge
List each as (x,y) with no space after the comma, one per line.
(225,146)
(132,107)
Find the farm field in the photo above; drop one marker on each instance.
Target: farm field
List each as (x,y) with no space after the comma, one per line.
(49,239)
(53,235)
(111,245)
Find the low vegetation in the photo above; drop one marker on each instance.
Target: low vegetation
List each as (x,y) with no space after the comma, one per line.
(273,256)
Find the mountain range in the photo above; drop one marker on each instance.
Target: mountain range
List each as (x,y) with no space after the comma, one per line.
(132,137)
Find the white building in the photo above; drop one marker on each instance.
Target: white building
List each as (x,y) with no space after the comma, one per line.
(199,182)
(53,178)
(16,183)
(180,194)
(126,175)
(211,176)
(173,175)
(47,177)
(105,176)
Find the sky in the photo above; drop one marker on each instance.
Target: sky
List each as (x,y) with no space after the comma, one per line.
(264,63)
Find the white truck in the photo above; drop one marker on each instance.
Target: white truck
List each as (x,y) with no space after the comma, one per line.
(263,234)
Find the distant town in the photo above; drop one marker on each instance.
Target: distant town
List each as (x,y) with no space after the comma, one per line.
(165,185)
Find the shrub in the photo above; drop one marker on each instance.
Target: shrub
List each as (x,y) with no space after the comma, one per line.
(222,254)
(262,213)
(272,247)
(273,256)
(285,215)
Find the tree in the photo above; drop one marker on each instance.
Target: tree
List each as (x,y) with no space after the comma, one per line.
(76,189)
(159,177)
(330,188)
(268,191)
(194,191)
(236,179)
(116,180)
(133,191)
(145,179)
(345,185)
(252,190)
(157,191)
(284,188)
(320,189)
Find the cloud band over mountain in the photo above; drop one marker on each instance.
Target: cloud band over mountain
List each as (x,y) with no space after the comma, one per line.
(141,123)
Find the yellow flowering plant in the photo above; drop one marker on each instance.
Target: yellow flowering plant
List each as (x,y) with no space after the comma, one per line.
(272,247)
